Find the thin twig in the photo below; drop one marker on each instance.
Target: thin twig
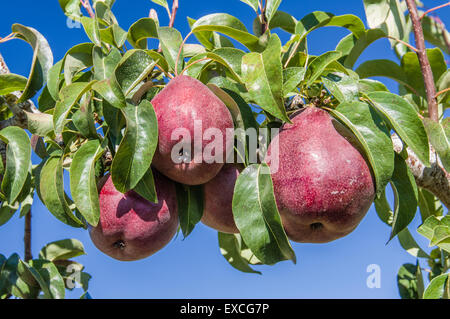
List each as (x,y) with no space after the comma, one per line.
(195,62)
(444,32)
(404,43)
(179,52)
(434,9)
(87,5)
(162,70)
(8,37)
(174,13)
(442,92)
(424,62)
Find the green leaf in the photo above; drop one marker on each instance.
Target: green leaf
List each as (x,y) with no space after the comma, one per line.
(383,209)
(284,21)
(135,66)
(405,194)
(83,184)
(18,161)
(343,87)
(111,92)
(263,76)
(320,19)
(71,8)
(409,244)
(51,279)
(92,29)
(162,3)
(230,248)
(142,30)
(54,80)
(405,121)
(439,135)
(368,85)
(407,281)
(12,82)
(256,215)
(435,32)
(135,153)
(51,189)
(171,41)
(429,205)
(69,96)
(384,68)
(77,59)
(271,8)
(146,187)
(7,211)
(62,249)
(374,137)
(190,207)
(42,59)
(252,3)
(319,64)
(352,46)
(438,288)
(40,124)
(411,67)
(105,64)
(428,227)
(83,119)
(230,26)
(8,274)
(388,16)
(292,77)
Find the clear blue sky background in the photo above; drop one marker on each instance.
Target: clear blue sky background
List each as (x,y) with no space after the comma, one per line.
(194,267)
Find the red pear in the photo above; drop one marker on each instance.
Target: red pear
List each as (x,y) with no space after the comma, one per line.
(323,185)
(218,198)
(131,227)
(186,103)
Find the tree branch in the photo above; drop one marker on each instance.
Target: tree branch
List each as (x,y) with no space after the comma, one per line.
(424,62)
(27,237)
(434,9)
(434,179)
(174,13)
(87,5)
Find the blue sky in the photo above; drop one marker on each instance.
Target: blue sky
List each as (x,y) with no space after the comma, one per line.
(194,267)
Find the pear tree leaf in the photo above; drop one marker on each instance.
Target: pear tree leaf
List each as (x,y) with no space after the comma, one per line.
(405,194)
(18,161)
(83,184)
(257,218)
(439,288)
(62,250)
(409,244)
(40,124)
(171,41)
(230,248)
(77,59)
(383,209)
(292,77)
(228,25)
(405,121)
(439,135)
(51,278)
(12,82)
(142,30)
(135,66)
(252,3)
(373,134)
(353,46)
(51,190)
(263,76)
(71,8)
(341,86)
(318,65)
(105,63)
(146,187)
(42,60)
(427,229)
(318,19)
(135,152)
(69,96)
(407,281)
(190,207)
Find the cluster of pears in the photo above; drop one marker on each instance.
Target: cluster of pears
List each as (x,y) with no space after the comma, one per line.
(323,186)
